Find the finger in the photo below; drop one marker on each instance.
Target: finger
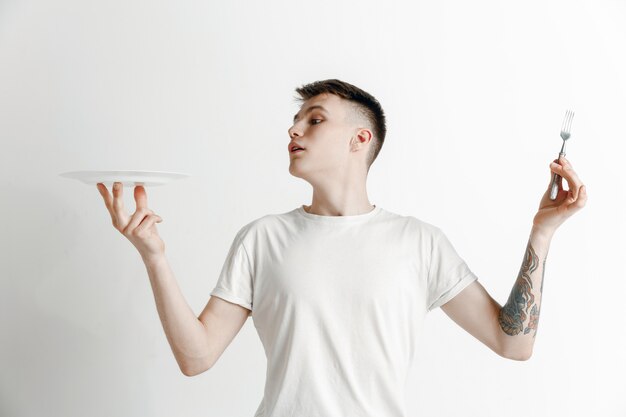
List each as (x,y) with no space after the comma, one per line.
(582,197)
(575,181)
(556,178)
(104,192)
(569,174)
(572,195)
(118,205)
(579,202)
(141,198)
(137,218)
(147,223)
(564,161)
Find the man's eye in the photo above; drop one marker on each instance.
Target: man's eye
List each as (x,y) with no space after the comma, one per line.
(312,120)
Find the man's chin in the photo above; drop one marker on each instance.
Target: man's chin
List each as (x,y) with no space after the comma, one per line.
(294,171)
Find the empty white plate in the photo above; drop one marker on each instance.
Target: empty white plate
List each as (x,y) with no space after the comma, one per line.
(127,178)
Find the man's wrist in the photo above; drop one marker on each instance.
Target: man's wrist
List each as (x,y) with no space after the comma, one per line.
(542,232)
(154,260)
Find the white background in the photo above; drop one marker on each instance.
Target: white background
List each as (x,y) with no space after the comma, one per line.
(474,92)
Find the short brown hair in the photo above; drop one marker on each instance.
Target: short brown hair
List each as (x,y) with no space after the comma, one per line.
(364,102)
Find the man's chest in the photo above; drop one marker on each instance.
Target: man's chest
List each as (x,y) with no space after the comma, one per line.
(356,269)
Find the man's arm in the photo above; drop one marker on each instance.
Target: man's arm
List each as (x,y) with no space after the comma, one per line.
(197,342)
(186,335)
(508,330)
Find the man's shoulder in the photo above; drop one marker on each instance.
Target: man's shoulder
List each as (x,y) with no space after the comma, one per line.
(415,223)
(264,223)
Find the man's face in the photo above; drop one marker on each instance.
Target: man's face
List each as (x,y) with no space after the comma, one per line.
(328,129)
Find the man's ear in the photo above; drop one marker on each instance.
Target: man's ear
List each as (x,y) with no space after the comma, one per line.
(362,138)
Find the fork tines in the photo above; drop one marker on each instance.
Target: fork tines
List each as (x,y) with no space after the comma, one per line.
(567,122)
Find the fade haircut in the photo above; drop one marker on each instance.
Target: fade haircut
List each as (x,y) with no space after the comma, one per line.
(363,103)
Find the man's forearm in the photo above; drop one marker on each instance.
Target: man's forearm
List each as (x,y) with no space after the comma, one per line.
(186,334)
(519,317)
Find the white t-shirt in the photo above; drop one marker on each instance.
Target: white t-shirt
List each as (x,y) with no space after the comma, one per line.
(338,303)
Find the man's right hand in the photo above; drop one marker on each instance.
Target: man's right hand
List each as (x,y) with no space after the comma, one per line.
(140,228)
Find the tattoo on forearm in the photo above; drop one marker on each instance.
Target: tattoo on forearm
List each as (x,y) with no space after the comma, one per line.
(534,320)
(521,303)
(534,313)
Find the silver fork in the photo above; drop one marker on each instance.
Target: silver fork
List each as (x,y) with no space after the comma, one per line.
(565,134)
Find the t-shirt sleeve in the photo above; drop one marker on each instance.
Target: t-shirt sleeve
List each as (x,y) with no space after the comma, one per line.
(448,274)
(235,282)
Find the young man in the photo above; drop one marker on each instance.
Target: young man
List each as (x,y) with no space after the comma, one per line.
(338,289)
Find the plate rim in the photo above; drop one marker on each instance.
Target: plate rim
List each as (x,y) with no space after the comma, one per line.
(123,172)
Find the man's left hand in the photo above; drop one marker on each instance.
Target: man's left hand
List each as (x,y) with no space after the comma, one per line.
(552,214)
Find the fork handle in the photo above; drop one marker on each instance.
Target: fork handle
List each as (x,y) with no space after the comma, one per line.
(554,185)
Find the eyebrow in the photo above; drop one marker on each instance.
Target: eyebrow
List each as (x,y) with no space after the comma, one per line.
(317,106)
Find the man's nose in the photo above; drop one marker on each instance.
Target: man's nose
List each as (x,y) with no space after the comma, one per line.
(292,132)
